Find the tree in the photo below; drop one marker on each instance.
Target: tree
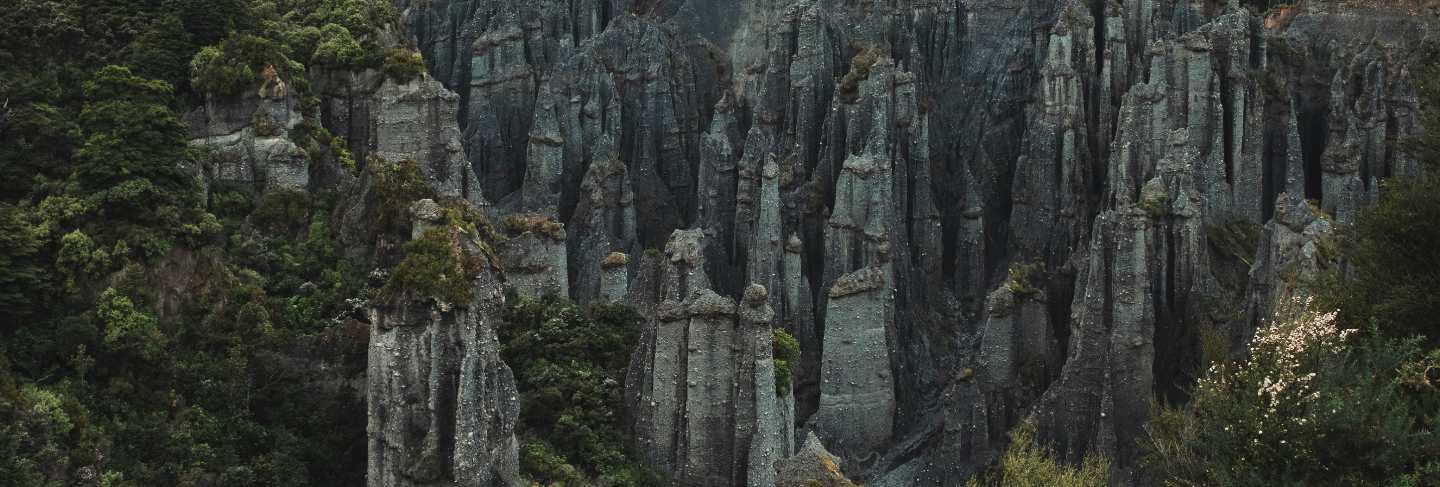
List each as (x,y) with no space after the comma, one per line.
(135,167)
(22,276)
(1314,404)
(569,367)
(1393,263)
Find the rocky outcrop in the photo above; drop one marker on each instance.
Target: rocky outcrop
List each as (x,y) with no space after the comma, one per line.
(1295,248)
(416,121)
(1019,355)
(533,255)
(604,222)
(246,137)
(857,387)
(877,166)
(701,396)
(442,404)
(812,466)
(1101,399)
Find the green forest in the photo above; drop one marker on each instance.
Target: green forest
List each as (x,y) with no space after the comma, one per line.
(154,329)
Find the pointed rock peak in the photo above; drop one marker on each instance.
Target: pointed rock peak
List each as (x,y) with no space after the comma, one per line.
(755,295)
(687,247)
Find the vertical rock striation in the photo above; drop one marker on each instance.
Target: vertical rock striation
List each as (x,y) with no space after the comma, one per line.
(876,166)
(701,396)
(442,404)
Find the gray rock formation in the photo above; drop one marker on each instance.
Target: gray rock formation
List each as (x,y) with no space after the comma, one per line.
(857,387)
(1295,247)
(701,396)
(416,121)
(1101,399)
(442,404)
(246,137)
(812,466)
(533,255)
(877,166)
(604,222)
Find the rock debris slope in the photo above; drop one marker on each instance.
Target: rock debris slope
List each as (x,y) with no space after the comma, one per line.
(968,213)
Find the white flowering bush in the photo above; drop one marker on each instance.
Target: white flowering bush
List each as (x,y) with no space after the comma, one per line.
(1314,403)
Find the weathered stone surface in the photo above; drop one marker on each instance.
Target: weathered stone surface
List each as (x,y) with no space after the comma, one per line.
(857,387)
(604,222)
(812,466)
(416,121)
(702,402)
(534,256)
(876,166)
(1102,397)
(442,404)
(246,137)
(1295,247)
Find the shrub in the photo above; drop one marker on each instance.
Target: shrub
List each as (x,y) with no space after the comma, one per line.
(1022,277)
(436,265)
(235,64)
(283,211)
(1310,406)
(127,327)
(337,48)
(570,366)
(403,65)
(860,64)
(786,351)
(397,186)
(1393,266)
(1238,238)
(1027,464)
(534,222)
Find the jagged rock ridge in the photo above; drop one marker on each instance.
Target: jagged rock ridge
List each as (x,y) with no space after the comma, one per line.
(877,167)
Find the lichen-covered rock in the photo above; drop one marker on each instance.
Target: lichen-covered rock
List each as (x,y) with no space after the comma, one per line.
(442,405)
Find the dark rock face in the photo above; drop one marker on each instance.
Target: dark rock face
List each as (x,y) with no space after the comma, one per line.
(877,167)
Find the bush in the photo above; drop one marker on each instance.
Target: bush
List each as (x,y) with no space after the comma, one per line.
(234,65)
(436,265)
(1393,265)
(1022,280)
(403,65)
(570,366)
(786,351)
(1310,406)
(1026,464)
(396,186)
(337,48)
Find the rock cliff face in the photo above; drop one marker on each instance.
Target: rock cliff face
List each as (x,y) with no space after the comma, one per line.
(701,394)
(246,136)
(442,404)
(863,174)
